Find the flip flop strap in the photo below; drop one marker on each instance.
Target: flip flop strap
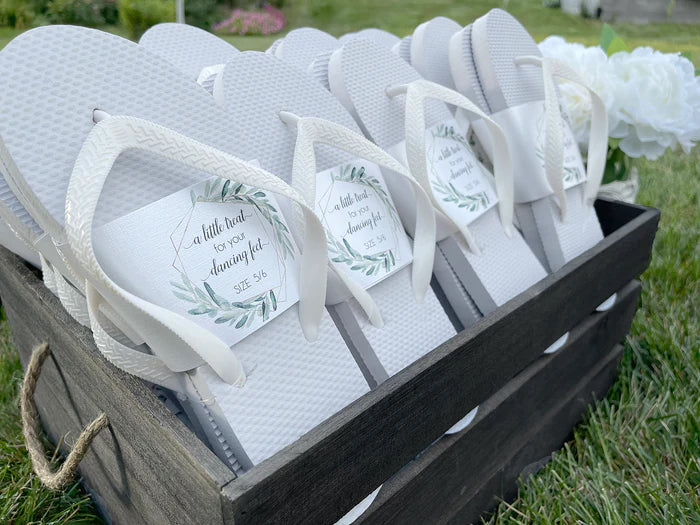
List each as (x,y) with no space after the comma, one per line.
(416,93)
(188,345)
(313,130)
(554,141)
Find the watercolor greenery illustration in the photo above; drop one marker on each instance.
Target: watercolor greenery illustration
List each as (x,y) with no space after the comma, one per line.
(239,314)
(342,252)
(445,131)
(449,193)
(236,314)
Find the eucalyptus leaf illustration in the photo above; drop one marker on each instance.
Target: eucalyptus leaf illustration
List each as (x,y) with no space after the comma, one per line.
(239,314)
(449,193)
(343,252)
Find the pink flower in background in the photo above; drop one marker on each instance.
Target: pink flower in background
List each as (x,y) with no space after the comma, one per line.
(266,21)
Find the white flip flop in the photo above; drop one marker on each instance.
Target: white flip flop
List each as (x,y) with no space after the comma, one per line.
(154,169)
(302,45)
(491,264)
(429,43)
(375,254)
(378,36)
(497,265)
(555,212)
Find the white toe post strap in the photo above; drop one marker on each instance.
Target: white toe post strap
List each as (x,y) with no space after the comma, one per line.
(416,92)
(145,366)
(181,344)
(312,130)
(554,148)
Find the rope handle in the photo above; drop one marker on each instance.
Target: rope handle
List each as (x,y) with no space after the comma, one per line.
(31,428)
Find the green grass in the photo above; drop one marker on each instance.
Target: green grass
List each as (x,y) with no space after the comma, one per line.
(23,499)
(636,455)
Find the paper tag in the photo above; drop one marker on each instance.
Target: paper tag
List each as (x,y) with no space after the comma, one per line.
(574,172)
(365,235)
(219,253)
(457,179)
(525,126)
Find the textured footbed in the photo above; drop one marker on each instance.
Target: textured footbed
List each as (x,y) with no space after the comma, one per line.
(463,70)
(256,87)
(318,69)
(281,382)
(188,48)
(497,39)
(403,48)
(507,266)
(301,46)
(47,118)
(429,50)
(379,36)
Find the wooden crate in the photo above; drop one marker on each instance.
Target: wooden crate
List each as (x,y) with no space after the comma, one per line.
(147,467)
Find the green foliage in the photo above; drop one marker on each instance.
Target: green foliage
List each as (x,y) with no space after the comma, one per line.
(16,13)
(610,42)
(323,9)
(138,15)
(201,13)
(82,12)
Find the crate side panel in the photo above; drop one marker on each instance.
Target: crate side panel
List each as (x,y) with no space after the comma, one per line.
(146,467)
(436,481)
(335,465)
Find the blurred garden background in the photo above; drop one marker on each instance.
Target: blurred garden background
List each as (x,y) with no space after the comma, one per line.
(636,455)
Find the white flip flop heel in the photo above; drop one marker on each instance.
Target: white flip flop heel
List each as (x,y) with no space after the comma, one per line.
(296,383)
(300,46)
(187,48)
(429,54)
(554,195)
(403,48)
(378,36)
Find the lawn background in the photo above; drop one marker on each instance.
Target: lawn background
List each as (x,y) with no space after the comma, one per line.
(636,455)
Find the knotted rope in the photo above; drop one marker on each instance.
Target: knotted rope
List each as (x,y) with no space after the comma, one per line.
(31,428)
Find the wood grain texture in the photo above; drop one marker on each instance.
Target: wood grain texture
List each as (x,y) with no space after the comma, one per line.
(451,472)
(146,467)
(540,440)
(322,475)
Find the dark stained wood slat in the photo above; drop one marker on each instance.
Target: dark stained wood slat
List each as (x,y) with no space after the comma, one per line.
(146,467)
(322,475)
(449,472)
(540,441)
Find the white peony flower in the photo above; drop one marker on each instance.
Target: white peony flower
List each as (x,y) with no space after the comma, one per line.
(652,98)
(659,101)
